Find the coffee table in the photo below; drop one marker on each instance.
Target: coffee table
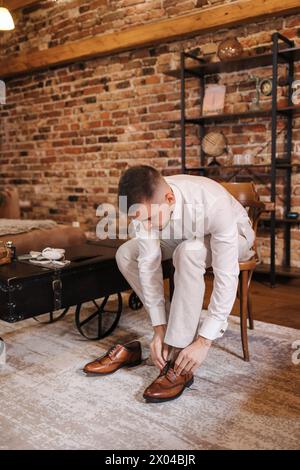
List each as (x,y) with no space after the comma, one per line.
(31,291)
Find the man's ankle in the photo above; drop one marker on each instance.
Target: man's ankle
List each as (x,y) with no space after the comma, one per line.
(173,353)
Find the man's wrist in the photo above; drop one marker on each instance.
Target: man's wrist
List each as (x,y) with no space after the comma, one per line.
(203,341)
(160,329)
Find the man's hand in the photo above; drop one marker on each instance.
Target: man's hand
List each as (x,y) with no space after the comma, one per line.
(159,350)
(191,357)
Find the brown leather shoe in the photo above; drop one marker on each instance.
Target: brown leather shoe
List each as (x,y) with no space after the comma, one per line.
(120,355)
(168,385)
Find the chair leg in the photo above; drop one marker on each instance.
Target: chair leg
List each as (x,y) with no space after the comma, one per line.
(244,312)
(250,317)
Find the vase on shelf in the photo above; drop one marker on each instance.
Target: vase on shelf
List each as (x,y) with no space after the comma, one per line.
(229,49)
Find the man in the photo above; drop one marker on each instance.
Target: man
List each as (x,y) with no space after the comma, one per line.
(195,221)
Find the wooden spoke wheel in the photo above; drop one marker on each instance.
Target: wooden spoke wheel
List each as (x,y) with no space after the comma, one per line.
(101,322)
(52,317)
(134,301)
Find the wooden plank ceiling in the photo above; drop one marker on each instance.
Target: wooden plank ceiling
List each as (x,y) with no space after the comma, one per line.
(13,5)
(209,19)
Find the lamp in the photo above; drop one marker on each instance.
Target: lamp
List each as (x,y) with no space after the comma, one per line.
(6,20)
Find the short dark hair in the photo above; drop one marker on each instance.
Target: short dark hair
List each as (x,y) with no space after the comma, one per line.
(138,183)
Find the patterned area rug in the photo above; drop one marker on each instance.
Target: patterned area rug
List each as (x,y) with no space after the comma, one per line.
(48,403)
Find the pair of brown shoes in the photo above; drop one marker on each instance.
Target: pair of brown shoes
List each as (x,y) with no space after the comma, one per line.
(167,386)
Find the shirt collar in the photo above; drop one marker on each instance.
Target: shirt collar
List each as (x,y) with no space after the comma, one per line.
(177,211)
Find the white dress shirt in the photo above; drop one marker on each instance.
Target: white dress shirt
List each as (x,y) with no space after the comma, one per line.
(207,208)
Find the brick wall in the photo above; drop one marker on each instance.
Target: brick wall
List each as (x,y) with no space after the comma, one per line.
(67,133)
(49,23)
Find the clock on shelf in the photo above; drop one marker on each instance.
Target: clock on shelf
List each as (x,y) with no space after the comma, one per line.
(265,86)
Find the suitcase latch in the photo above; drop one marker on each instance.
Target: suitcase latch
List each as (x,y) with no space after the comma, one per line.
(57,287)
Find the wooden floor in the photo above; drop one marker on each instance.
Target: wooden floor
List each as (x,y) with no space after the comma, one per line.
(279,305)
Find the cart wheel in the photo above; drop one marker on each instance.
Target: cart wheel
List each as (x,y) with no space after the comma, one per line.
(134,301)
(52,317)
(100,323)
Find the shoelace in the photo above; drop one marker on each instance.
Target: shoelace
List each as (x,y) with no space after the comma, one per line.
(171,375)
(168,372)
(165,369)
(112,350)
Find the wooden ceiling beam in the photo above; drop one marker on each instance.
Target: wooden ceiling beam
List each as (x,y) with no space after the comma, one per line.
(208,19)
(13,5)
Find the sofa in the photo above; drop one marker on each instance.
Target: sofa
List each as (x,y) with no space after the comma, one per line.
(58,235)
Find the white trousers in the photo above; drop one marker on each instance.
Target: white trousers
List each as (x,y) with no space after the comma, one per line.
(183,313)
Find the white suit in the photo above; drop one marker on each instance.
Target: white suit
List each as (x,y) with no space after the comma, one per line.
(216,232)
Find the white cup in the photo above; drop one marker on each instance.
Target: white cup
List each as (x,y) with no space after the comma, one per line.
(238,159)
(248,159)
(243,159)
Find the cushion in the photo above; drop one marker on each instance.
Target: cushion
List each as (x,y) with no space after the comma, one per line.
(61,236)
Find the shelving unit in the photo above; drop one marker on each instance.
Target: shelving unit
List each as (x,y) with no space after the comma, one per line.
(287,55)
(249,114)
(240,63)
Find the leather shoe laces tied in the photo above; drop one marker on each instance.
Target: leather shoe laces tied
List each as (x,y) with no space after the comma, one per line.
(113,350)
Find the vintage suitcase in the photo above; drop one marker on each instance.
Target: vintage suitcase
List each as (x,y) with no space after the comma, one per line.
(28,290)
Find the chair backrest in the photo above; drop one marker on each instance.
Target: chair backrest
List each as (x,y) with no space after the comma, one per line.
(247,195)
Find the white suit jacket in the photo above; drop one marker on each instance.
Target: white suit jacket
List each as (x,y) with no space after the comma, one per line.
(207,209)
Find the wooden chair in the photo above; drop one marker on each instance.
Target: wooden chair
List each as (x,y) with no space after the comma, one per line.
(247,195)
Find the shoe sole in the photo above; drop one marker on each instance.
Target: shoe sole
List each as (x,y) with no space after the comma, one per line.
(133,364)
(160,400)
